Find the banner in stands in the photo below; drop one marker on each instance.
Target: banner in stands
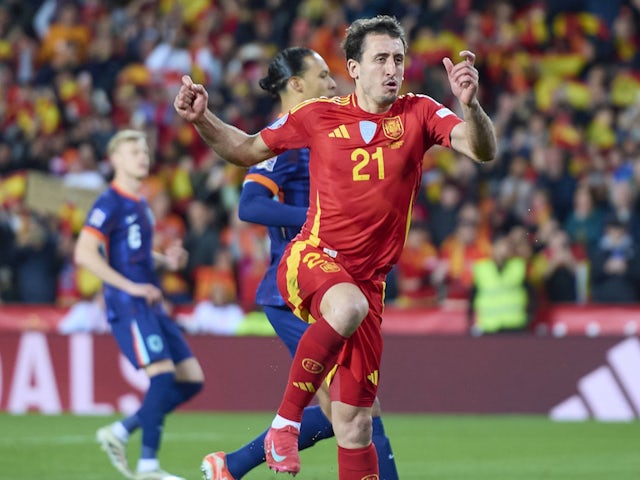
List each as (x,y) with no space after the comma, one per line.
(46,193)
(573,378)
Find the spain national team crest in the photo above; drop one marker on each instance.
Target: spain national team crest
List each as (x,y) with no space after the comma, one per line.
(393,128)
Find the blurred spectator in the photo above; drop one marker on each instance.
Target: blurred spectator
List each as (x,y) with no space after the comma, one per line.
(415,269)
(218,315)
(542,235)
(82,171)
(516,188)
(615,266)
(64,42)
(540,211)
(561,270)
(170,58)
(35,261)
(7,164)
(205,61)
(465,246)
(443,214)
(521,240)
(499,219)
(249,246)
(621,199)
(7,239)
(586,221)
(220,274)
(500,299)
(202,239)
(325,39)
(556,179)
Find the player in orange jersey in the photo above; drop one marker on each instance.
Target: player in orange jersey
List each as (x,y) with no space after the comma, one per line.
(366,153)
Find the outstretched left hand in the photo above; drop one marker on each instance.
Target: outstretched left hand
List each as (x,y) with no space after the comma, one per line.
(175,256)
(463,77)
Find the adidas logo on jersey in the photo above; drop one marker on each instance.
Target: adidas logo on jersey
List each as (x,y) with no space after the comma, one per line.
(611,392)
(340,132)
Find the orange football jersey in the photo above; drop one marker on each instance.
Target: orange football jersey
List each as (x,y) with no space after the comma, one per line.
(365,171)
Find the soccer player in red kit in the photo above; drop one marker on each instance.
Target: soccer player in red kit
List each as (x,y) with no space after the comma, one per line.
(365,163)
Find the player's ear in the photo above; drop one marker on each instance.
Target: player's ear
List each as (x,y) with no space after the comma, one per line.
(296,84)
(353,68)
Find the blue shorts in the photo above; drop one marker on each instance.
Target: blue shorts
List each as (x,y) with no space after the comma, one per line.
(287,326)
(146,334)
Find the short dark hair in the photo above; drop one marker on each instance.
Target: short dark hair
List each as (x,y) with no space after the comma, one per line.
(286,64)
(353,43)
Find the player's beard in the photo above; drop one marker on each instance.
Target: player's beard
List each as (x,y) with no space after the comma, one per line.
(388,99)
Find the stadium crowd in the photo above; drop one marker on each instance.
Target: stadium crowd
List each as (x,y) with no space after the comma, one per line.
(560,80)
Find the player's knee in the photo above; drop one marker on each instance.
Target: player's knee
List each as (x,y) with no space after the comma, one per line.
(355,432)
(353,312)
(359,308)
(347,320)
(344,306)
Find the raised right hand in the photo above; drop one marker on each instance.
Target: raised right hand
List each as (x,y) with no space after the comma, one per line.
(463,77)
(191,101)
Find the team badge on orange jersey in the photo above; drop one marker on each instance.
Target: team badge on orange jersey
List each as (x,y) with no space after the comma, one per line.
(392,127)
(329,267)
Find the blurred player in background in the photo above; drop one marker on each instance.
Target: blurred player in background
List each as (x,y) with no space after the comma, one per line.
(115,244)
(365,164)
(276,194)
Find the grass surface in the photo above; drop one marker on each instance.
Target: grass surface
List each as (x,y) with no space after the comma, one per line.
(426,447)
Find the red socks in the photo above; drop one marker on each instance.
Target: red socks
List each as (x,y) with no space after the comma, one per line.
(316,354)
(358,463)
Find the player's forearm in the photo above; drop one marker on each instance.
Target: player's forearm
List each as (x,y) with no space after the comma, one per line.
(481,136)
(256,206)
(231,143)
(96,264)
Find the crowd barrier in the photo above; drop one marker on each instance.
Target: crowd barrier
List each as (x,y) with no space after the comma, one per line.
(591,320)
(576,377)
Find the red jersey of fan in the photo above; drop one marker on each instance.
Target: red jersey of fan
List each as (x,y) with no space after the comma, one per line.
(365,171)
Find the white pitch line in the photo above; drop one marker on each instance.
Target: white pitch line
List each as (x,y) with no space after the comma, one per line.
(80,439)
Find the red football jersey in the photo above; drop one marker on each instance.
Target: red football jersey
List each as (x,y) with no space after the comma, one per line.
(365,171)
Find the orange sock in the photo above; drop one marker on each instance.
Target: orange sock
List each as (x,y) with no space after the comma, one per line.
(316,354)
(358,463)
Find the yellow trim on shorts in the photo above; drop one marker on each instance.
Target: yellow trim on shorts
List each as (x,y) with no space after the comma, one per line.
(293,266)
(332,373)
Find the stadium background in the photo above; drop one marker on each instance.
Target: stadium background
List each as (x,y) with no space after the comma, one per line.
(561,81)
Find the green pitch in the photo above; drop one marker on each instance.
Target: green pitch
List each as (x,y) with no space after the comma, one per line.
(425,446)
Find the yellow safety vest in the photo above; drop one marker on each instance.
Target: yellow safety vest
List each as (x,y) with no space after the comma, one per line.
(501,296)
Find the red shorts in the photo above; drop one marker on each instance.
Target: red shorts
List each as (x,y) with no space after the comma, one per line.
(305,273)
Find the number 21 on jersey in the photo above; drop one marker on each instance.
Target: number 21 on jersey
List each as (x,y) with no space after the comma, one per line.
(363,160)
